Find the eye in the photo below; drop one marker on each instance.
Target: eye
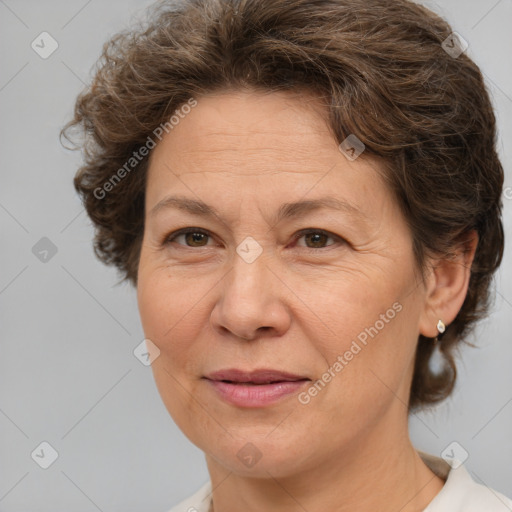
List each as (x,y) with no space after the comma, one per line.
(316,238)
(196,237)
(193,237)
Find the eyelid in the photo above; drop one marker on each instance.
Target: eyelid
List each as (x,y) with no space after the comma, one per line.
(168,238)
(307,231)
(172,236)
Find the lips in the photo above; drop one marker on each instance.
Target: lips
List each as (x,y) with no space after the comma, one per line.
(255,377)
(256,388)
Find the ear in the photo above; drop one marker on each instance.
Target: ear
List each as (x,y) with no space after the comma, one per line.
(447,285)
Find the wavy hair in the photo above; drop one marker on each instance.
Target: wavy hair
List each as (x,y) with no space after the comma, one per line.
(383,72)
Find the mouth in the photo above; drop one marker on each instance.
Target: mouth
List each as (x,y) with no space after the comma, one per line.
(254,377)
(256,388)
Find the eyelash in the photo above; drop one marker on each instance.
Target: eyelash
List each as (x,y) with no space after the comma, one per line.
(172,236)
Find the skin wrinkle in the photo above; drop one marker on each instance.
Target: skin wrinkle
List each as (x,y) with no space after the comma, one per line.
(236,143)
(145,74)
(313,305)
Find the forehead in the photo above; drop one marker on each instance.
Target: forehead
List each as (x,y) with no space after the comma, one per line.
(275,146)
(236,125)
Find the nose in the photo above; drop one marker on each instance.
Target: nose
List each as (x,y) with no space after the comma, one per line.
(251,302)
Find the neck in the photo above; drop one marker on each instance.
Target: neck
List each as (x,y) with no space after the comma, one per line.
(379,471)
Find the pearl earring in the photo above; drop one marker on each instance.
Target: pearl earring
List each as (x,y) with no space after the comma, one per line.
(440,328)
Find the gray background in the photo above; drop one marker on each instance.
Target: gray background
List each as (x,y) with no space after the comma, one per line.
(68,375)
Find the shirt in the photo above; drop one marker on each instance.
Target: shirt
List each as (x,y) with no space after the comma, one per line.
(460,492)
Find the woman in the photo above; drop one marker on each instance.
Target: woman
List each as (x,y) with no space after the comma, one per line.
(306,195)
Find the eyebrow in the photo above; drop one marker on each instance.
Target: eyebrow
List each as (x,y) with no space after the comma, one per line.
(286,210)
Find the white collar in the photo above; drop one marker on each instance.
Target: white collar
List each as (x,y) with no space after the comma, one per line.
(460,492)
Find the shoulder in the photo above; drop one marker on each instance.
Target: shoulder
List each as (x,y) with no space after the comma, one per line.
(461,493)
(198,502)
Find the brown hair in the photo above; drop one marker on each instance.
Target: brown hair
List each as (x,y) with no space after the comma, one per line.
(382,69)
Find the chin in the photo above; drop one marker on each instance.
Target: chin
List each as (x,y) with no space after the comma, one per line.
(258,456)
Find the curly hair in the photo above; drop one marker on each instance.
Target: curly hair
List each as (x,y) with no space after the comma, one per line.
(386,75)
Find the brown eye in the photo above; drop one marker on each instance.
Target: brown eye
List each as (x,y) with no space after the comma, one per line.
(193,237)
(316,238)
(196,239)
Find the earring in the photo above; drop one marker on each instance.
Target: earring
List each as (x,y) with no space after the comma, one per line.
(440,328)
(437,361)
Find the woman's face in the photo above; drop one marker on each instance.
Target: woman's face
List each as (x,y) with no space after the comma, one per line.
(340,304)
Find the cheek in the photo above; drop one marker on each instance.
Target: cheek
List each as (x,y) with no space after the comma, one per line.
(373,328)
(364,310)
(160,296)
(174,313)
(373,364)
(163,307)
